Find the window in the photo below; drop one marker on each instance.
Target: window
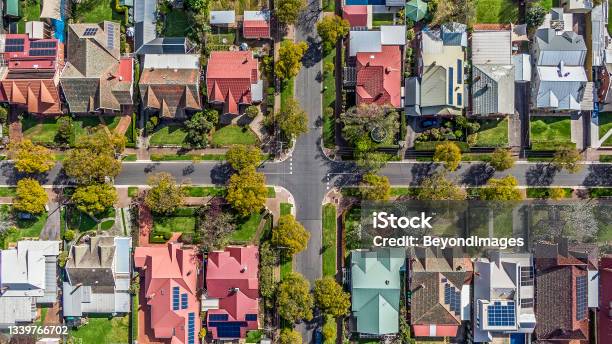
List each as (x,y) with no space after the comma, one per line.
(459,99)
(527,303)
(175,298)
(450,85)
(459,72)
(526,276)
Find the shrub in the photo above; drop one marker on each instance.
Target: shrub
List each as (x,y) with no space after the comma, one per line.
(69,235)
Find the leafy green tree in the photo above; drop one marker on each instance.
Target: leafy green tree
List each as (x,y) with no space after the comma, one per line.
(438,188)
(267,264)
(290,56)
(331,298)
(95,198)
(165,195)
(288,11)
(293,120)
(64,130)
(31,158)
(215,226)
(69,235)
(243,156)
(375,188)
(556,193)
(251,111)
(535,15)
(103,141)
(447,11)
(568,159)
(30,196)
(332,28)
(449,154)
(329,330)
(198,5)
(290,336)
(502,189)
(199,126)
(3,114)
(370,161)
(359,123)
(247,191)
(293,299)
(89,167)
(502,159)
(290,235)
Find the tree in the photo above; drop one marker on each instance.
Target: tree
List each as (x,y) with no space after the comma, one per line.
(332,28)
(267,264)
(437,188)
(165,195)
(215,226)
(449,154)
(501,159)
(102,141)
(330,298)
(197,5)
(370,161)
(87,166)
(447,11)
(535,16)
(95,198)
(199,126)
(252,111)
(568,159)
(64,130)
(556,193)
(288,11)
(69,235)
(31,158)
(290,56)
(243,156)
(502,189)
(293,120)
(3,114)
(247,191)
(329,330)
(294,300)
(290,336)
(362,122)
(30,196)
(375,188)
(290,235)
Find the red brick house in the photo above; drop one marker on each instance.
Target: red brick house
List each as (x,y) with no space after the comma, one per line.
(256,24)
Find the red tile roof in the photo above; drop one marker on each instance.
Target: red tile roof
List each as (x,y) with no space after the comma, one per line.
(231,277)
(256,29)
(166,268)
(229,76)
(439,330)
(379,77)
(605,307)
(357,15)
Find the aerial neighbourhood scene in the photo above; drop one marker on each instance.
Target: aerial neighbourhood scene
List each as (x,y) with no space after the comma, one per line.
(306,171)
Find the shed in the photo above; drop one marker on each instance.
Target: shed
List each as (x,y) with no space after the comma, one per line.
(35,29)
(222,18)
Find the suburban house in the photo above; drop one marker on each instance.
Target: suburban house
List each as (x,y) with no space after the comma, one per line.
(170,292)
(567,285)
(96,77)
(504,298)
(170,84)
(28,277)
(232,292)
(492,72)
(378,6)
(358,16)
(375,291)
(232,80)
(98,274)
(439,88)
(30,74)
(223,18)
(440,286)
(560,81)
(605,306)
(145,32)
(377,60)
(256,24)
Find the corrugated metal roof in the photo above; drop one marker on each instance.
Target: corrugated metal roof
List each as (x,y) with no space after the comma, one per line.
(561,92)
(172,61)
(123,255)
(222,17)
(364,41)
(433,86)
(493,89)
(492,47)
(393,34)
(522,67)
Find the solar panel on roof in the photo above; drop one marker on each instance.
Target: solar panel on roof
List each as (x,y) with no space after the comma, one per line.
(184,301)
(110,35)
(217,317)
(175,298)
(42,52)
(250,317)
(14,41)
(90,31)
(43,45)
(452,298)
(191,327)
(581,297)
(501,314)
(13,49)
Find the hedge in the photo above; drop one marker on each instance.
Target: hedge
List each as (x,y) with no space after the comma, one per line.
(430,146)
(600,192)
(551,145)
(605,158)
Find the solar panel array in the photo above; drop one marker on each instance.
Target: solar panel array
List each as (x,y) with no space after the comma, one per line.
(90,31)
(43,44)
(14,41)
(452,297)
(250,317)
(175,298)
(42,52)
(110,35)
(184,301)
(228,329)
(581,297)
(14,45)
(191,328)
(217,317)
(501,315)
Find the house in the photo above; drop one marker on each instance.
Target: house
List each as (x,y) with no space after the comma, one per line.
(98,274)
(232,80)
(30,74)
(358,16)
(145,32)
(96,77)
(223,18)
(232,281)
(504,297)
(170,292)
(605,306)
(440,286)
(256,24)
(566,288)
(492,72)
(170,84)
(11,8)
(28,277)
(375,290)
(381,6)
(439,88)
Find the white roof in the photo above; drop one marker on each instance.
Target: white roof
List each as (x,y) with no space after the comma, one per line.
(15,309)
(256,15)
(593,288)
(257,91)
(22,269)
(393,35)
(122,253)
(569,73)
(172,61)
(35,29)
(492,47)
(522,67)
(222,17)
(364,41)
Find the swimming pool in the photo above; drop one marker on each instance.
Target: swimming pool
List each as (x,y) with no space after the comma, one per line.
(59,26)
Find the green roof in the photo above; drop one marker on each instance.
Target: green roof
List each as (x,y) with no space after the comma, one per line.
(375,290)
(12,8)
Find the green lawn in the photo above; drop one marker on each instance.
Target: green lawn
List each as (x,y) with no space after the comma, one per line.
(24,228)
(81,221)
(39,130)
(96,11)
(133,191)
(605,125)
(287,92)
(30,10)
(496,11)
(186,157)
(7,191)
(379,19)
(134,315)
(551,129)
(205,191)
(130,157)
(286,267)
(285,208)
(238,5)
(103,330)
(218,41)
(271,192)
(492,133)
(246,230)
(85,125)
(174,223)
(543,193)
(172,134)
(329,240)
(329,99)
(254,336)
(176,23)
(234,135)
(546,4)
(403,191)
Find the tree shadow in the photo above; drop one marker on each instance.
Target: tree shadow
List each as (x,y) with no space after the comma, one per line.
(599,175)
(220,173)
(541,175)
(312,56)
(422,171)
(477,174)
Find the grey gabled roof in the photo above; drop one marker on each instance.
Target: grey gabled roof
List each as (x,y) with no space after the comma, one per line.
(493,89)
(165,45)
(547,39)
(144,22)
(433,86)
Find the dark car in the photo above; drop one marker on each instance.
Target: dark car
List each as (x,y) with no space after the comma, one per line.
(428,123)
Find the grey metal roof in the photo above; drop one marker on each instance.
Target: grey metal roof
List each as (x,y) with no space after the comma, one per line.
(122,251)
(144,19)
(413,96)
(493,89)
(547,39)
(364,41)
(522,67)
(165,45)
(492,47)
(222,17)
(433,86)
(561,92)
(598,35)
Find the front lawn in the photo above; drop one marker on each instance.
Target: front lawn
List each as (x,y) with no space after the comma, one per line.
(23,228)
(237,5)
(234,135)
(492,133)
(176,23)
(544,193)
(206,191)
(285,208)
(496,11)
(183,220)
(379,19)
(103,330)
(170,134)
(553,130)
(39,130)
(287,89)
(329,240)
(246,230)
(8,191)
(605,125)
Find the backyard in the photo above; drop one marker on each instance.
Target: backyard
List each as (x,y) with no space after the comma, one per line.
(29,10)
(550,132)
(103,330)
(238,5)
(176,23)
(379,19)
(496,11)
(492,133)
(605,125)
(23,228)
(234,135)
(96,11)
(169,134)
(221,40)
